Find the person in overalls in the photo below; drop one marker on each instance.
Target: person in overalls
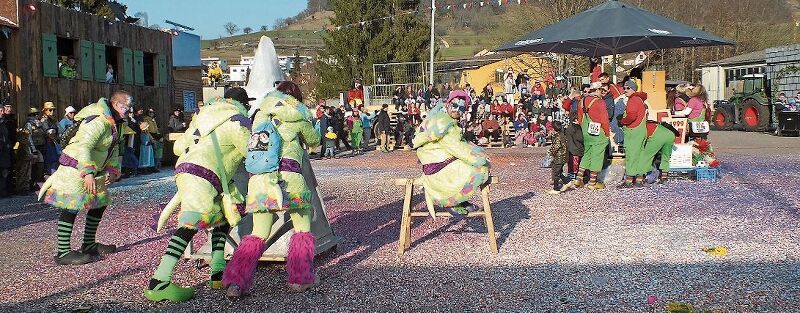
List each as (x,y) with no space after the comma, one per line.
(635,130)
(593,117)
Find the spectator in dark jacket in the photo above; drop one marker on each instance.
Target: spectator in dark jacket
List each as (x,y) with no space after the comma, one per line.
(323,123)
(558,151)
(574,139)
(382,127)
(6,147)
(176,123)
(338,123)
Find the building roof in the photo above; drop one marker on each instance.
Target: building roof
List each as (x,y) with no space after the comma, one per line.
(755,57)
(473,63)
(4,21)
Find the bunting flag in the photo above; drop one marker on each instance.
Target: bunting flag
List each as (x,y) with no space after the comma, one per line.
(445,7)
(362,23)
(479,4)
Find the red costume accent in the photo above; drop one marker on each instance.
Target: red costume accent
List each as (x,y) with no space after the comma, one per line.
(651,128)
(355,93)
(597,113)
(596,71)
(615,89)
(635,111)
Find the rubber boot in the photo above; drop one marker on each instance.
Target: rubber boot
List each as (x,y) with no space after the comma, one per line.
(98,249)
(596,186)
(73,258)
(238,275)
(300,262)
(173,293)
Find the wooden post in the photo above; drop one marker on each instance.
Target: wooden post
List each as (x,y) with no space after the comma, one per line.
(405,221)
(487,216)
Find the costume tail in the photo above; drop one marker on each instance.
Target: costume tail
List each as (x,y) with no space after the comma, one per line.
(165,214)
(44,188)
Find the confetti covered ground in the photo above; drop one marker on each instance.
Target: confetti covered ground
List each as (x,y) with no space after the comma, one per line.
(602,251)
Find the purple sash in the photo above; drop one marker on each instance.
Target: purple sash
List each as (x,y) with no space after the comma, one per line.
(433,168)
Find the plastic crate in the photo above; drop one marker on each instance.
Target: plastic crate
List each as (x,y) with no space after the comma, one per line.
(706,174)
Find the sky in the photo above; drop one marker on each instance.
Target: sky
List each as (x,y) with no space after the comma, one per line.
(207,17)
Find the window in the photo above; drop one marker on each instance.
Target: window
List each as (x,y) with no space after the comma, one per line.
(113,60)
(66,50)
(498,76)
(150,69)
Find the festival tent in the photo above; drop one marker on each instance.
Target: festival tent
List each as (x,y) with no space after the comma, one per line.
(612,28)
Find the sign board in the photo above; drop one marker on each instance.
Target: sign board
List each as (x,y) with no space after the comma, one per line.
(189,101)
(654,84)
(681,156)
(682,125)
(658,115)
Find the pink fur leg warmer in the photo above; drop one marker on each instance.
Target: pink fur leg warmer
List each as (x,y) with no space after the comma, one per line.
(300,261)
(242,267)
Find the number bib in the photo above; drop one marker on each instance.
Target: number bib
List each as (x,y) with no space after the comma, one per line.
(593,129)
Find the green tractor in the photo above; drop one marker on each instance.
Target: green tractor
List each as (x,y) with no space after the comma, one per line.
(749,108)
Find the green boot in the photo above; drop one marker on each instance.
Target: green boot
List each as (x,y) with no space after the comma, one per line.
(173,293)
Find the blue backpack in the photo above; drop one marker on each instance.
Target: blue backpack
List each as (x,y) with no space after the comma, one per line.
(264,149)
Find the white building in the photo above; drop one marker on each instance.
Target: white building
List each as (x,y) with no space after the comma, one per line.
(238,73)
(717,76)
(223,64)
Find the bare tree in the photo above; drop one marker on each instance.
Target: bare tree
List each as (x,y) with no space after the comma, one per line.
(231,28)
(247,30)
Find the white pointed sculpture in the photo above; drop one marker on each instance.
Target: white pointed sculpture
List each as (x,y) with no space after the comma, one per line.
(265,72)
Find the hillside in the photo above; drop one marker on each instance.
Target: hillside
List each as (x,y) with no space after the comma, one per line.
(463,33)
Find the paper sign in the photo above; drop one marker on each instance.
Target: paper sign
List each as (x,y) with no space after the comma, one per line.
(682,125)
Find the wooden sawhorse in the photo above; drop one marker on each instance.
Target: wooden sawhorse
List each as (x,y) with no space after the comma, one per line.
(408,215)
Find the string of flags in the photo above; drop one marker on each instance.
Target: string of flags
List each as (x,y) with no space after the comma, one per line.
(465,6)
(362,23)
(479,4)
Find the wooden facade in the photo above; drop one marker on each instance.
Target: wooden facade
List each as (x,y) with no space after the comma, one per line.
(141,58)
(187,83)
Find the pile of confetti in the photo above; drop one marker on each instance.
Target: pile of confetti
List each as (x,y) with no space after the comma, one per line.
(610,251)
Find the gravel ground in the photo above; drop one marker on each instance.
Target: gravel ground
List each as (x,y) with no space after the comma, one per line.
(582,251)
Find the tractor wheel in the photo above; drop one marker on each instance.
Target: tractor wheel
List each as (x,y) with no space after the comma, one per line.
(722,120)
(755,116)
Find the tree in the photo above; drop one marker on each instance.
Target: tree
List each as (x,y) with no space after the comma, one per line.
(231,28)
(350,52)
(247,30)
(296,66)
(264,28)
(279,23)
(96,7)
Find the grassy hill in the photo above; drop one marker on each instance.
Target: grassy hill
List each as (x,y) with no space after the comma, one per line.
(461,34)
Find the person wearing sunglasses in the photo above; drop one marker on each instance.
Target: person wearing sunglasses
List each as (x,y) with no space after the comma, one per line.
(635,132)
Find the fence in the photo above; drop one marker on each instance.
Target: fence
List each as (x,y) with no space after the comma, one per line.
(389,76)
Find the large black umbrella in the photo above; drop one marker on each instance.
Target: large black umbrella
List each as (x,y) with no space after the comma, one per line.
(611,28)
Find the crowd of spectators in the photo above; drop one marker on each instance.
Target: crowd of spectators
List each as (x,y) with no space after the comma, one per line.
(30,152)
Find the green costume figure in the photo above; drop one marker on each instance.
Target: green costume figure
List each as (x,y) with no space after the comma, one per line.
(453,168)
(661,139)
(593,117)
(89,163)
(356,131)
(208,155)
(635,132)
(278,185)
